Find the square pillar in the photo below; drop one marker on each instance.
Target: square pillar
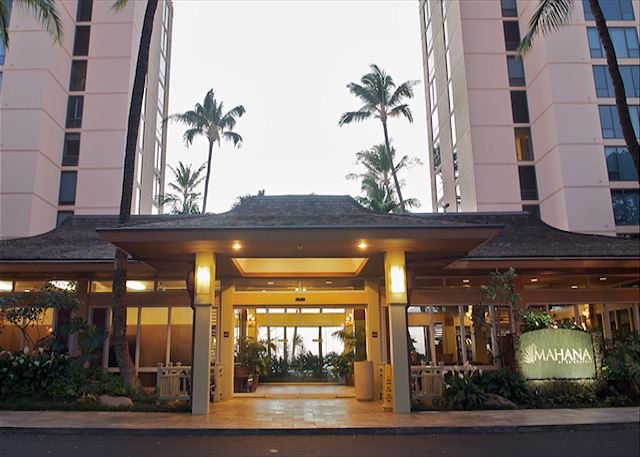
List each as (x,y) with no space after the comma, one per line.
(204,291)
(374,331)
(396,294)
(227,329)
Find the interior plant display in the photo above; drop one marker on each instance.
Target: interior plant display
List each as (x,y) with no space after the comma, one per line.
(536,321)
(354,351)
(251,360)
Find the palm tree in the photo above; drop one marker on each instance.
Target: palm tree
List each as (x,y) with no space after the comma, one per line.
(44,11)
(550,15)
(184,198)
(375,182)
(382,100)
(119,306)
(208,119)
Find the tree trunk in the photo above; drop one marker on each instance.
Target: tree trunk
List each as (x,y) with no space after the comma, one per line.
(119,308)
(618,85)
(206,181)
(392,167)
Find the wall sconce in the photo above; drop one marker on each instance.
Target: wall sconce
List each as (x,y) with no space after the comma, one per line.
(348,319)
(251,320)
(398,280)
(203,279)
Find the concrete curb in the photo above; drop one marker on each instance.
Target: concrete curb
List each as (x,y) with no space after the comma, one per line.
(322,431)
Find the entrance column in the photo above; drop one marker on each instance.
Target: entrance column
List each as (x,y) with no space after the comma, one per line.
(374,349)
(396,293)
(205,280)
(227,328)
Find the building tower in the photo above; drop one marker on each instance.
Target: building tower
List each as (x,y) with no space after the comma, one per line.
(539,134)
(63,115)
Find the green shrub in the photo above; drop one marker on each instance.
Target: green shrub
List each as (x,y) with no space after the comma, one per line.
(622,364)
(464,392)
(506,383)
(536,321)
(563,393)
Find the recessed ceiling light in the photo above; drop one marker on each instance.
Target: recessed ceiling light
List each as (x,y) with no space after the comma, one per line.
(236,246)
(270,283)
(264,290)
(534,279)
(574,286)
(465,281)
(604,278)
(362,245)
(136,285)
(328,282)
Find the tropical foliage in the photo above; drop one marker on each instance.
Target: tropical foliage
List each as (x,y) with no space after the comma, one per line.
(209,119)
(184,198)
(382,99)
(551,15)
(375,182)
(45,12)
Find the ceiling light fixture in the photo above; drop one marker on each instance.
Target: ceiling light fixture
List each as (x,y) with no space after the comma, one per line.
(465,281)
(574,286)
(362,245)
(604,278)
(236,246)
(136,285)
(534,279)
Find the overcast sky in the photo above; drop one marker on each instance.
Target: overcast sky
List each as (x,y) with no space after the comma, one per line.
(288,63)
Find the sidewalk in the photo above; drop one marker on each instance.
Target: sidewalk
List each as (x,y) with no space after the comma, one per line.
(342,416)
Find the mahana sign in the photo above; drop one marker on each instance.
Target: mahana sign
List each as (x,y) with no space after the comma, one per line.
(556,354)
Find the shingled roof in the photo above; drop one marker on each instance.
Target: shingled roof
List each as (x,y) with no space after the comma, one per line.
(522,235)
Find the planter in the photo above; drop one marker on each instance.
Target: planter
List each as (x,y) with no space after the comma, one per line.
(363,377)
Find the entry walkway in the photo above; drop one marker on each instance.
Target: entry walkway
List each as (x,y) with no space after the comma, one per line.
(301,390)
(329,416)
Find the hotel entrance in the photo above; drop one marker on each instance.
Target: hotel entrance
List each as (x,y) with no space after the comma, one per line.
(302,350)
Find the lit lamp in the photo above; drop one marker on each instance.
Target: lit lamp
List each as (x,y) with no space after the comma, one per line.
(203,279)
(397,277)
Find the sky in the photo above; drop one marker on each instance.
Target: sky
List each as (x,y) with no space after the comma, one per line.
(288,63)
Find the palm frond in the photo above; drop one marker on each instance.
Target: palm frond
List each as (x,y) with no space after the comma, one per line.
(118,5)
(404,90)
(353,116)
(363,93)
(190,134)
(45,12)
(401,110)
(233,136)
(549,15)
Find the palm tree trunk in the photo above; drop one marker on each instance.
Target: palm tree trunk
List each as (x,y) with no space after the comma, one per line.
(119,308)
(618,85)
(391,166)
(206,181)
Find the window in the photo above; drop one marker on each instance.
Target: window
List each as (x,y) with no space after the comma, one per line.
(81,41)
(437,158)
(625,42)
(454,130)
(456,167)
(630,78)
(3,52)
(141,134)
(71,150)
(528,182)
(625,206)
(74,112)
(610,122)
(613,10)
(511,35)
(532,209)
(68,182)
(509,8)
(156,188)
(158,156)
(138,200)
(85,8)
(63,216)
(78,79)
(439,186)
(519,107)
(139,169)
(620,164)
(524,145)
(516,71)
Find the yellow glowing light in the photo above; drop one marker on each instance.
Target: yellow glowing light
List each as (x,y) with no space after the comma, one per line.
(136,285)
(465,281)
(328,283)
(534,279)
(64,285)
(270,283)
(6,286)
(362,245)
(203,279)
(574,286)
(396,275)
(236,246)
(604,278)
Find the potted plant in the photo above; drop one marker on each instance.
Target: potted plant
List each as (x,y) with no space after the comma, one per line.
(250,361)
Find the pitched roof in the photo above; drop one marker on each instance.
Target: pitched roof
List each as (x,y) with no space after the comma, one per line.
(522,235)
